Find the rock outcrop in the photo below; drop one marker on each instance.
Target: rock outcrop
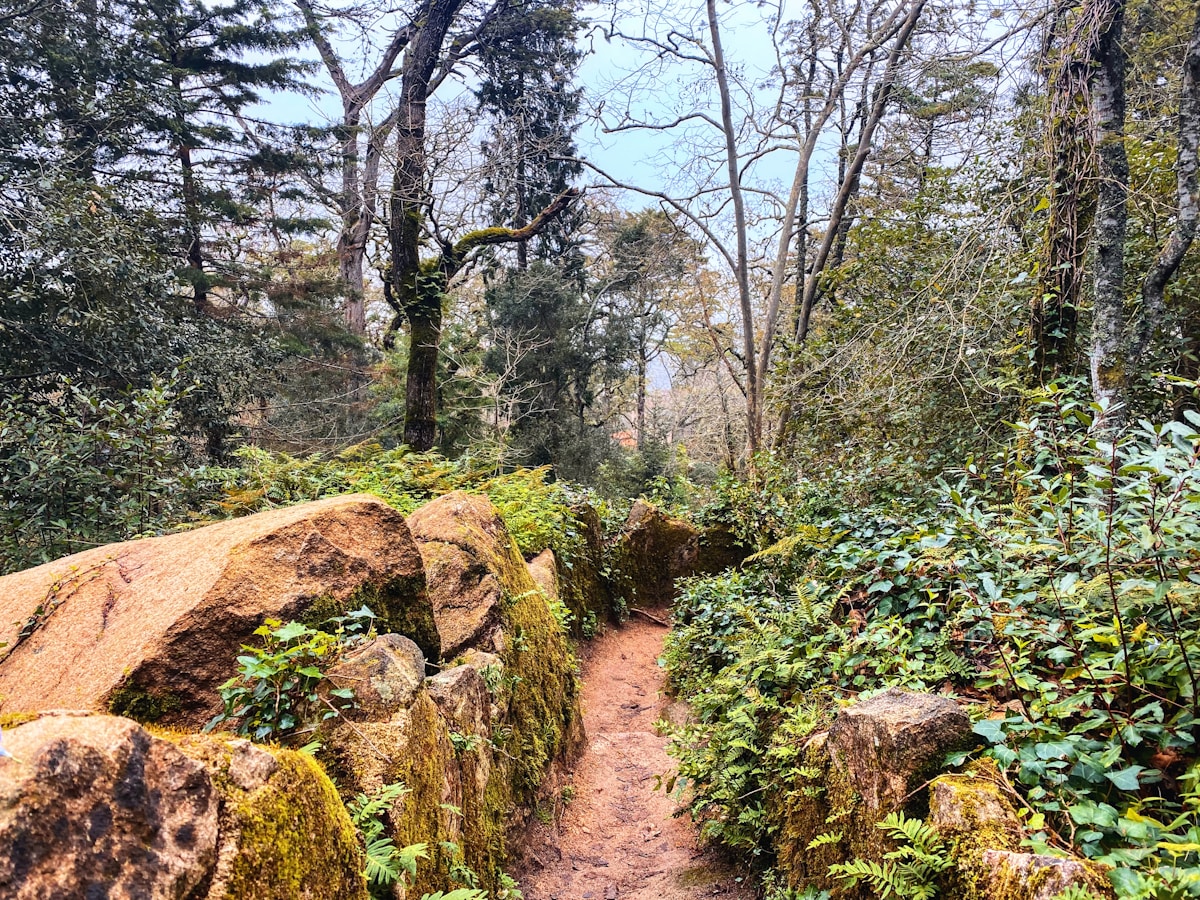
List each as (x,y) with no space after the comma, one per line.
(150,628)
(652,551)
(510,632)
(284,832)
(888,745)
(1032,876)
(93,805)
(91,802)
(874,756)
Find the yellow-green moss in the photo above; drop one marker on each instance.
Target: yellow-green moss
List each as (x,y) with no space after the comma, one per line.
(394,606)
(414,749)
(979,786)
(1004,884)
(296,839)
(289,838)
(13,719)
(820,802)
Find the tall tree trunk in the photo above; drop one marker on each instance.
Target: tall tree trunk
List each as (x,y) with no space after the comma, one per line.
(1108,357)
(1073,193)
(191,202)
(1188,191)
(420,394)
(641,396)
(742,263)
(350,249)
(357,198)
(849,183)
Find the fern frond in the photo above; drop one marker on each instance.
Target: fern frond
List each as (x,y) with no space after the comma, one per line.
(821,840)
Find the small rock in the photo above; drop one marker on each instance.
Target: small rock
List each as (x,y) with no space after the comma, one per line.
(385,675)
(610,892)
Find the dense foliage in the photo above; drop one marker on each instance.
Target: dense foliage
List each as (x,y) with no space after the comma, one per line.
(1055,589)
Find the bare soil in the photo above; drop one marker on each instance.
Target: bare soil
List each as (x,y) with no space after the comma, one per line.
(618,837)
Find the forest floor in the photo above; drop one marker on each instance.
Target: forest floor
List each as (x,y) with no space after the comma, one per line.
(618,837)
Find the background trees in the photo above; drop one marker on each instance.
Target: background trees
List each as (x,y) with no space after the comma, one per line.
(884,224)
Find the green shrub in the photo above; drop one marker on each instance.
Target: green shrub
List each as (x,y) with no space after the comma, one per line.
(277,690)
(79,469)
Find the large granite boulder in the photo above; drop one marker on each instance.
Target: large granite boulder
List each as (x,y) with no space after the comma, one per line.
(151,628)
(652,551)
(94,806)
(471,564)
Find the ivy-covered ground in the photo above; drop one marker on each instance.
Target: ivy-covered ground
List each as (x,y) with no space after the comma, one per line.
(1055,588)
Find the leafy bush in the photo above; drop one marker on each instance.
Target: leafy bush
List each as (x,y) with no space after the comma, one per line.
(1058,587)
(79,469)
(537,512)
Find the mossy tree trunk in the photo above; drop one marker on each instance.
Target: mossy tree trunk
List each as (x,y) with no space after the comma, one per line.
(1073,187)
(1109,375)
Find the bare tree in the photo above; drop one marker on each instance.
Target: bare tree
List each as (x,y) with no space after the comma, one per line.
(744,132)
(357,199)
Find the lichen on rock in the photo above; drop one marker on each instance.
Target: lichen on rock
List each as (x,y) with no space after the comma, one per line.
(94,803)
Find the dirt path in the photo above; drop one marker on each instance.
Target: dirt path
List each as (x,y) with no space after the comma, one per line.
(617,837)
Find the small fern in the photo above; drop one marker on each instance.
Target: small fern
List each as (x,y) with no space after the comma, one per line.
(821,840)
(910,871)
(385,862)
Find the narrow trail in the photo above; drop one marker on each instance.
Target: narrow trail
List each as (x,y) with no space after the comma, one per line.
(617,838)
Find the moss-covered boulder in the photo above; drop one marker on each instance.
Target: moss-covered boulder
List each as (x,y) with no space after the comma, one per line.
(651,552)
(1032,876)
(95,806)
(413,747)
(887,746)
(150,628)
(284,832)
(872,762)
(974,811)
(579,568)
(486,602)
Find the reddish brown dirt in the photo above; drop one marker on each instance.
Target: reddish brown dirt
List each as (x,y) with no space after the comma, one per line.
(617,838)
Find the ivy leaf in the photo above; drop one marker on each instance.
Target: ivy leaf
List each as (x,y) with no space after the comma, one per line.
(990,729)
(290,631)
(1126,779)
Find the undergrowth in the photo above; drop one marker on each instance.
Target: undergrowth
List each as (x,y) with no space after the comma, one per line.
(539,512)
(1056,588)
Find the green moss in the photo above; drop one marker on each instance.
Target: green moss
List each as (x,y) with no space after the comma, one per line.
(415,749)
(140,704)
(989,822)
(290,837)
(819,802)
(296,838)
(400,607)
